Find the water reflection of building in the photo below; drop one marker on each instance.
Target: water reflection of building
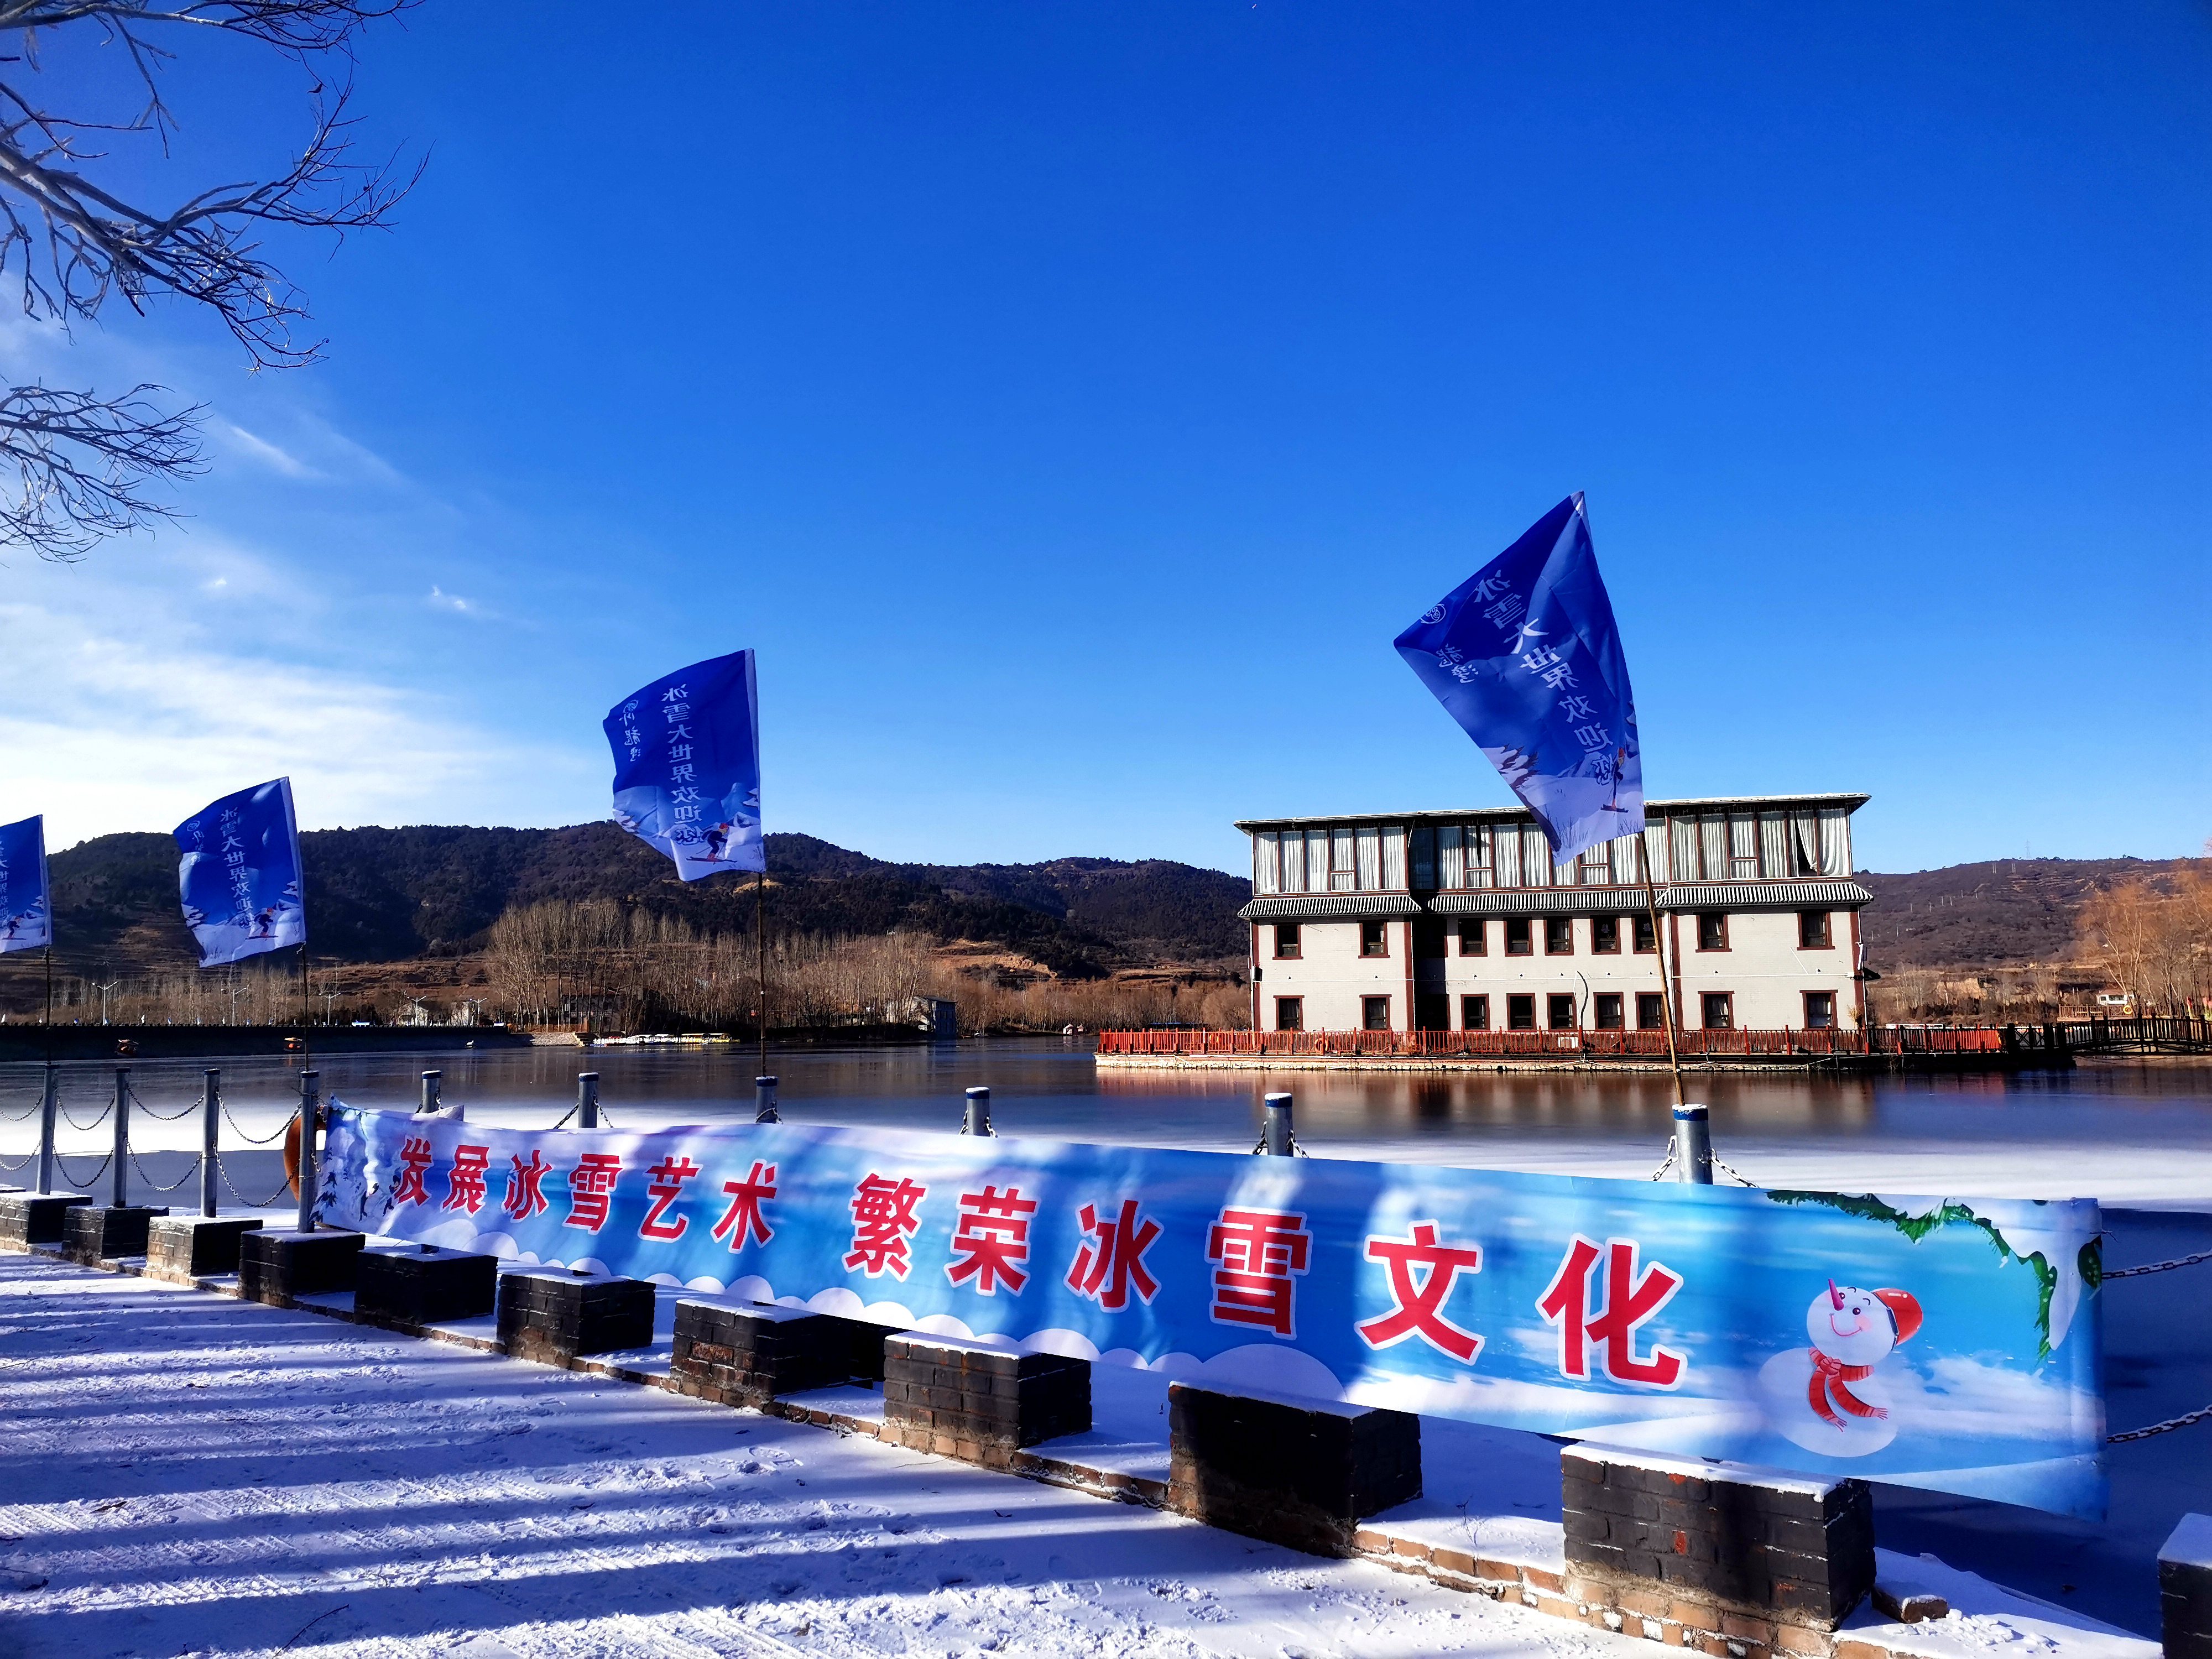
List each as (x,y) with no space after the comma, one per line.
(1460,921)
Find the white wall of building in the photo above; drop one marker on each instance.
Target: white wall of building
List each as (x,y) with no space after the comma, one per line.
(1332,976)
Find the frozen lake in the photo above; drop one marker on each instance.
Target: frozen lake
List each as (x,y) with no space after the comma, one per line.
(2134,1134)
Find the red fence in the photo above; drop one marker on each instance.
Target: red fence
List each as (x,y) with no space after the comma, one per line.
(1415,1045)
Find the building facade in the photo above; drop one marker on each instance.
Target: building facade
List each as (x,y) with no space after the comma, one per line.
(1460,921)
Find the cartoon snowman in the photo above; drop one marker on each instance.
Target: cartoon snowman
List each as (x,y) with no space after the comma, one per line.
(1827,1397)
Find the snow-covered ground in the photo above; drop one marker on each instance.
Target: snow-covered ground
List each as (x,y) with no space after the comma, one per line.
(190,1475)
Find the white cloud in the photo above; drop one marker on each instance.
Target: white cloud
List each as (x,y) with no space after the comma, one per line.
(438,599)
(260,449)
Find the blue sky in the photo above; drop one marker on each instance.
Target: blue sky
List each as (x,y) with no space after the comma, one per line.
(1070,403)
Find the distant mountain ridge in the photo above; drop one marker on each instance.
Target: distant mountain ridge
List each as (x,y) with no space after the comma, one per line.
(389,894)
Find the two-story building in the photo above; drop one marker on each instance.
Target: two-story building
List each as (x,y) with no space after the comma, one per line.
(1460,920)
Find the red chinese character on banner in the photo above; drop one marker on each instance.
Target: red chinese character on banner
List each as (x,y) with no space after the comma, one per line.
(592,1188)
(414,1158)
(1422,1273)
(464,1185)
(883,1221)
(1259,1250)
(1112,1259)
(1629,1301)
(744,1216)
(663,1182)
(524,1200)
(992,1241)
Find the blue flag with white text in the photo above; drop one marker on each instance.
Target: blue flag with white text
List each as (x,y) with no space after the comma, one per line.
(27,916)
(1524,654)
(687,766)
(239,877)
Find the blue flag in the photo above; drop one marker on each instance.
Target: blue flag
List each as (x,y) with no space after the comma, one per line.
(687,766)
(239,877)
(27,916)
(1525,656)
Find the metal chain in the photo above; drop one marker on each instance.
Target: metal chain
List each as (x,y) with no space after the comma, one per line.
(28,1112)
(282,1129)
(224,1170)
(87,1181)
(148,1181)
(22,1162)
(1665,1163)
(565,1116)
(86,1128)
(1739,1175)
(2171,1423)
(2159,1267)
(162,1117)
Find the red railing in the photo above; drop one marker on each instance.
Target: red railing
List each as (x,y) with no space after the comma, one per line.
(1618,1045)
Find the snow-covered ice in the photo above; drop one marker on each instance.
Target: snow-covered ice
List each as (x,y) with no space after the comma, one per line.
(191,1474)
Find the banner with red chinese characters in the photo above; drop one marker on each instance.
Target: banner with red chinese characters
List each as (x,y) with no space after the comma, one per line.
(1939,1342)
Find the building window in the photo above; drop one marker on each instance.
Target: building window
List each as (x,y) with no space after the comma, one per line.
(1559,1011)
(1646,937)
(1605,935)
(1473,936)
(1374,1013)
(1813,930)
(1605,1009)
(1720,1010)
(1819,1011)
(1520,1013)
(1559,936)
(1374,939)
(1290,1013)
(1712,930)
(1474,1013)
(1516,936)
(1650,1012)
(1286,941)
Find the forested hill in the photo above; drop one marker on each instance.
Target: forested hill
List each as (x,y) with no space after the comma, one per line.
(2005,913)
(389,894)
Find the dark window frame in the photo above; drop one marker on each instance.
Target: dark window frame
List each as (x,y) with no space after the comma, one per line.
(1477,928)
(1601,928)
(1556,1000)
(1367,1007)
(1516,1004)
(1715,922)
(1379,951)
(1826,930)
(1475,1003)
(1527,946)
(1651,1003)
(1290,945)
(1608,1011)
(1298,1010)
(1642,937)
(1727,1001)
(1566,925)
(1827,1024)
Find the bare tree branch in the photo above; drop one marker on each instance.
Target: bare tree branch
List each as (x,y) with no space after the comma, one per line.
(71,243)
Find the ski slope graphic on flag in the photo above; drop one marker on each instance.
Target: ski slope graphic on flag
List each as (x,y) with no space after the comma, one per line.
(1526,656)
(26,918)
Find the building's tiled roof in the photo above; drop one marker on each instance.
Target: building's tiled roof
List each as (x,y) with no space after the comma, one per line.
(1850,802)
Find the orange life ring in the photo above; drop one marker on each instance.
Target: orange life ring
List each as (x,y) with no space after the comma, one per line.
(292,1150)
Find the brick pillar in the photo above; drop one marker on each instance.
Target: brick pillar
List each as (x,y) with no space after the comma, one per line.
(1757,1550)
(94,1233)
(277,1265)
(422,1285)
(188,1247)
(555,1316)
(1302,1474)
(980,1400)
(29,1218)
(748,1356)
(2184,1588)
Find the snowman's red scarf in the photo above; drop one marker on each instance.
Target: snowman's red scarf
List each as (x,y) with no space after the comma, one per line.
(1828,1380)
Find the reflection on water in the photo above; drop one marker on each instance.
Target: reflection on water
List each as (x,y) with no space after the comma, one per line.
(2140,1133)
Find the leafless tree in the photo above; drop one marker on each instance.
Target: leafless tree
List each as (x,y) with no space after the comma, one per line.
(71,239)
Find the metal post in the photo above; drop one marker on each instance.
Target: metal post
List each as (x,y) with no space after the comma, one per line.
(978,1120)
(119,1162)
(211,1118)
(765,1100)
(432,1083)
(48,1109)
(1275,1139)
(587,1100)
(1693,1146)
(310,1113)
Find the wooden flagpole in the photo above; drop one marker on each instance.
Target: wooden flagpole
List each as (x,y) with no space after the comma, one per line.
(1659,954)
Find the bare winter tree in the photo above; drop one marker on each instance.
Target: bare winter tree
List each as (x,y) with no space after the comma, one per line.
(76,235)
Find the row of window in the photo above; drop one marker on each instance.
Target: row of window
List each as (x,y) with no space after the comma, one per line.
(1563,1012)
(1431,936)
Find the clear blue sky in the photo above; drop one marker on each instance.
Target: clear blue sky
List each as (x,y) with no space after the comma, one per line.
(1070,402)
